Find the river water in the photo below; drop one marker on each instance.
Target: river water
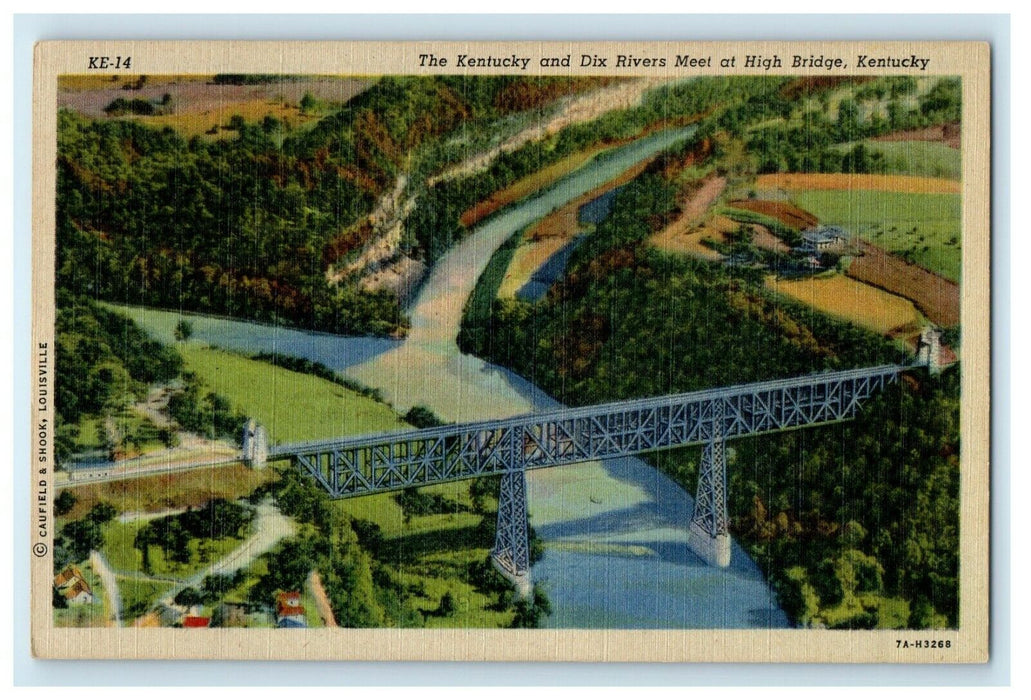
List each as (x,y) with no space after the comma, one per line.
(615,531)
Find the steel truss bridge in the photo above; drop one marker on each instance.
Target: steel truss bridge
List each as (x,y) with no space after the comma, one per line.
(357,466)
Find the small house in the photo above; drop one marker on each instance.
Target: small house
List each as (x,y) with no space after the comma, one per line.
(823,239)
(71,584)
(288,599)
(78,593)
(68,576)
(289,611)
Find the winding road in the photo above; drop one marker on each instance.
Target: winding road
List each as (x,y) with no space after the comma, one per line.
(268,528)
(107,577)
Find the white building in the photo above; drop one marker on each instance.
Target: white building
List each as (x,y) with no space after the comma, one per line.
(823,239)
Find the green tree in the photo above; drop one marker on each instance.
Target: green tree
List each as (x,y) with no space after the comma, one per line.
(189,597)
(422,417)
(82,537)
(216,586)
(798,597)
(848,120)
(529,613)
(183,330)
(102,513)
(64,502)
(308,103)
(943,102)
(447,606)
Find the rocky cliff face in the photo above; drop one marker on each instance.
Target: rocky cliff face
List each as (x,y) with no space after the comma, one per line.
(381,266)
(573,110)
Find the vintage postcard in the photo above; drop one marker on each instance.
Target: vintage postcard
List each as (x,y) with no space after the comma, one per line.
(565,351)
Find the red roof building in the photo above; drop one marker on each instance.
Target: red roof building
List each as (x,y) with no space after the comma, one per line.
(287,599)
(289,611)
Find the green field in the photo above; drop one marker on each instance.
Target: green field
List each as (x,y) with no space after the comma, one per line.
(924,228)
(924,158)
(138,596)
(118,549)
(122,556)
(292,406)
(434,551)
(90,435)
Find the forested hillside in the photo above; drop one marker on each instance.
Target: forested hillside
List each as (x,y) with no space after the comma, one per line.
(105,360)
(247,226)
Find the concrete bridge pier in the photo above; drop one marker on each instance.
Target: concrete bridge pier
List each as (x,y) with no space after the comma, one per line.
(709,535)
(928,350)
(511,553)
(254,444)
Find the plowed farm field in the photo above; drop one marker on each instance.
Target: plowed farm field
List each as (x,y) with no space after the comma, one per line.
(910,184)
(853,301)
(937,297)
(785,212)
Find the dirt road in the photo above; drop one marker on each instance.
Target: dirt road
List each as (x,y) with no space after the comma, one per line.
(682,235)
(322,605)
(107,576)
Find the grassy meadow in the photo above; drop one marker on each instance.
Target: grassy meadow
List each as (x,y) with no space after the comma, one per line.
(122,556)
(292,406)
(924,158)
(921,226)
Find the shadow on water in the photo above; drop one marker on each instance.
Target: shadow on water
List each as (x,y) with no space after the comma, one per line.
(614,527)
(527,390)
(598,209)
(249,337)
(619,592)
(611,523)
(766,618)
(551,271)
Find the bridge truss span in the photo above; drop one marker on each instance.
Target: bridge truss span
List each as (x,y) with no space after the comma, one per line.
(392,461)
(357,466)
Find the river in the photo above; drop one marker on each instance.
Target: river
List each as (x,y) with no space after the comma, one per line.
(615,531)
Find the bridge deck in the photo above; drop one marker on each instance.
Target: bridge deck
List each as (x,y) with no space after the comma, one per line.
(369,439)
(394,460)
